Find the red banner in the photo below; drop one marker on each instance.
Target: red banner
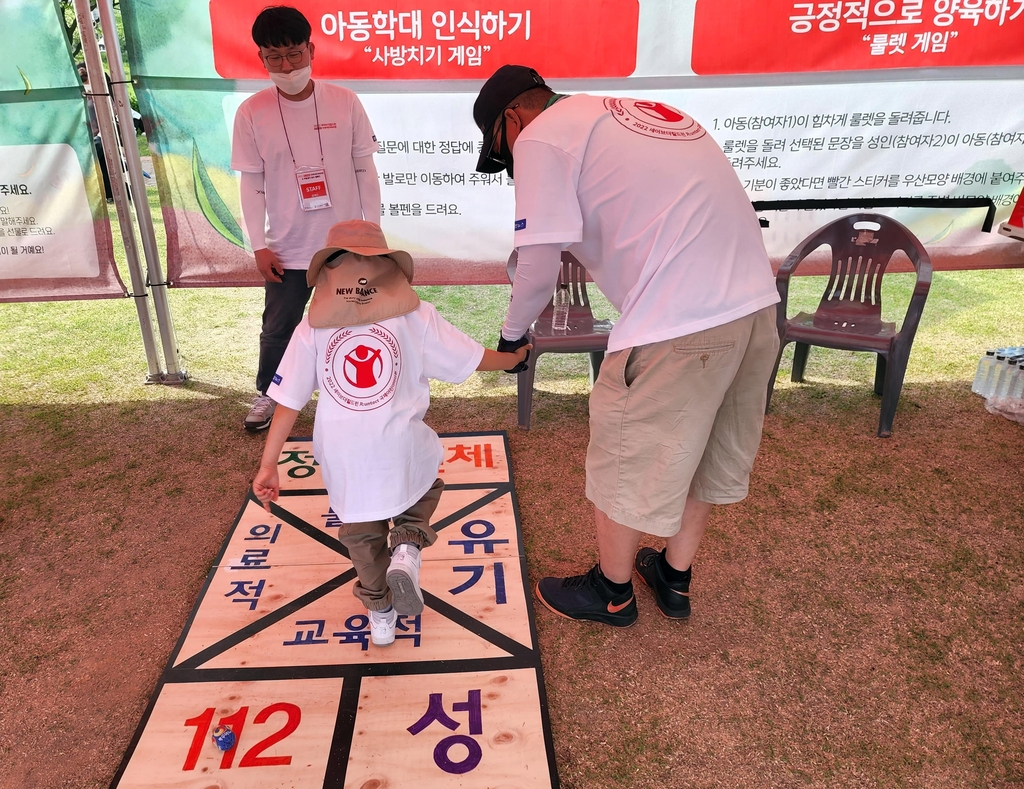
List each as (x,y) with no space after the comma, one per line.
(461,39)
(740,37)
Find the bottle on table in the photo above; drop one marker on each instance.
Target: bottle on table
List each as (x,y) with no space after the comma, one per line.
(560,316)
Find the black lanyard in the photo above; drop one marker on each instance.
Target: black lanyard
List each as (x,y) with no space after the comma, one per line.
(316,112)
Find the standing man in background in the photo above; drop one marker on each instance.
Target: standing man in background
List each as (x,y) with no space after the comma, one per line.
(94,130)
(645,199)
(305,153)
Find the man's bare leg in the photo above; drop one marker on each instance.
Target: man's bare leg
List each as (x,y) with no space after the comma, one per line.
(671,583)
(682,547)
(617,546)
(591,595)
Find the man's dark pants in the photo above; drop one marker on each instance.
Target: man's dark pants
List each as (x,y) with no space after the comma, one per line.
(284,304)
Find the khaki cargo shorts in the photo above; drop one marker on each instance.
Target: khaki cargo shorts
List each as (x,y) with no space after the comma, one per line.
(679,417)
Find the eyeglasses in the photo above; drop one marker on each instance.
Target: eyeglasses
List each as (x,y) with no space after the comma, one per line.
(294,57)
(499,125)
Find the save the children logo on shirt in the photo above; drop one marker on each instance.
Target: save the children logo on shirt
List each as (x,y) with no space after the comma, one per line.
(654,119)
(362,367)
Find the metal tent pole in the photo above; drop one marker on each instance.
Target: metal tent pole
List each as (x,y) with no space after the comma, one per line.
(111,152)
(175,373)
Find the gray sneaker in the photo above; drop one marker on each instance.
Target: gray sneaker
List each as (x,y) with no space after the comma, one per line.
(403,577)
(260,414)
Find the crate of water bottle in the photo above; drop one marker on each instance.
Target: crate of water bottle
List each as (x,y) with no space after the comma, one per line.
(1000,380)
(1000,373)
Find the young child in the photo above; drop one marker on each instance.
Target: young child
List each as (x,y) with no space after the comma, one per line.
(370,346)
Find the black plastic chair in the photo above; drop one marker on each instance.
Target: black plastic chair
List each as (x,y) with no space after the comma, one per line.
(849,316)
(583,335)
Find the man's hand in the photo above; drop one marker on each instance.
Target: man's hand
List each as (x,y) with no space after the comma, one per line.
(268,264)
(511,346)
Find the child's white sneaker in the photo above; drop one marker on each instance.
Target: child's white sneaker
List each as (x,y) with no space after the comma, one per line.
(404,580)
(382,627)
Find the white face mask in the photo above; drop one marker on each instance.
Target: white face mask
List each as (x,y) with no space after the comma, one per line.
(293,82)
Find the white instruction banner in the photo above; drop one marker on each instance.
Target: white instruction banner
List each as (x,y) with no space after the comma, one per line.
(46,226)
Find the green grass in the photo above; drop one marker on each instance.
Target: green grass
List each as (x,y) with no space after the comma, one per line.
(88,351)
(91,351)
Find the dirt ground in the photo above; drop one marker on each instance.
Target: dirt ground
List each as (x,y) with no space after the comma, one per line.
(858,620)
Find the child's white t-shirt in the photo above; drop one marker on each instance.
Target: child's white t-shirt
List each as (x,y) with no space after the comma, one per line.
(260,145)
(377,456)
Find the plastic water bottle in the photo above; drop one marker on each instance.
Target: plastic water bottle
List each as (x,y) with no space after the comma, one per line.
(1016,388)
(992,384)
(560,317)
(988,386)
(985,365)
(1006,377)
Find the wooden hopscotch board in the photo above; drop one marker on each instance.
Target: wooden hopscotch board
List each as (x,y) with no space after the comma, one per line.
(279,648)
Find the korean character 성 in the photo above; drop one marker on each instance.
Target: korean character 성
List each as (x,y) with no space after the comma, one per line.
(443,750)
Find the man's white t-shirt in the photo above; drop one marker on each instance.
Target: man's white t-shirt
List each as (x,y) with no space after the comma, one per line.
(648,203)
(376,454)
(260,145)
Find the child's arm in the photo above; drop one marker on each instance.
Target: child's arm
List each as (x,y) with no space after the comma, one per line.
(266,486)
(495,360)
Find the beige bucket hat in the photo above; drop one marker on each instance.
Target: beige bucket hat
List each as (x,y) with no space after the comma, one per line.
(358,279)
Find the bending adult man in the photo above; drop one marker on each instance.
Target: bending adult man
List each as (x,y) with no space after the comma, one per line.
(647,201)
(305,151)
